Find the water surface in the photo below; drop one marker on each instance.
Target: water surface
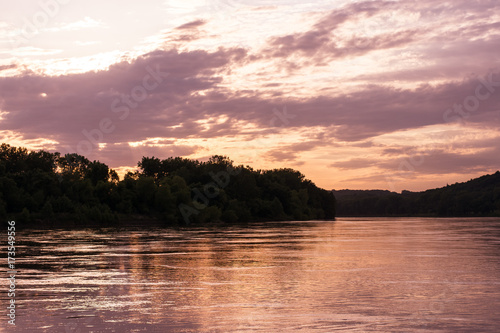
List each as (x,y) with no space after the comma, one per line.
(359,275)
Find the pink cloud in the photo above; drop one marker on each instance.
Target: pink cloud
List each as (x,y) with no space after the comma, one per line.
(176,91)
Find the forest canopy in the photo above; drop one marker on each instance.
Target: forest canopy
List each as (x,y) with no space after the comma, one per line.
(477,197)
(44,187)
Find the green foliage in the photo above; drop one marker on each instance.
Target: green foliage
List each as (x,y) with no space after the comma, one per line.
(62,204)
(47,210)
(241,209)
(209,214)
(25,216)
(38,185)
(229,216)
(96,172)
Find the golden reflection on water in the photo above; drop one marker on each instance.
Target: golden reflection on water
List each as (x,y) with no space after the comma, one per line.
(353,274)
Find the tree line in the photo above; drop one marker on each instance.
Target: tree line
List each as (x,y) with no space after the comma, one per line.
(477,197)
(45,187)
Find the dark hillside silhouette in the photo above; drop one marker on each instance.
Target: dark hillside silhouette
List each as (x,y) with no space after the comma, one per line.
(477,197)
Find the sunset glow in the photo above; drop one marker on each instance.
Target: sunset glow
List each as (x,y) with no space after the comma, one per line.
(355,94)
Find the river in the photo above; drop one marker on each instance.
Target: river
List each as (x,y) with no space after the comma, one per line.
(353,274)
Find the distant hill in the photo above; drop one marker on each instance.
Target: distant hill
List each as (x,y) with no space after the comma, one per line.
(477,197)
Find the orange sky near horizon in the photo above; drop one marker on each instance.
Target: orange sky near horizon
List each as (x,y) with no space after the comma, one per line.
(354,94)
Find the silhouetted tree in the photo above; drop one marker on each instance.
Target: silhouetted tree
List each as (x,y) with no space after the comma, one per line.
(43,186)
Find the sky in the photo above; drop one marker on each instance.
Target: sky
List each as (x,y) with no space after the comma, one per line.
(396,95)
